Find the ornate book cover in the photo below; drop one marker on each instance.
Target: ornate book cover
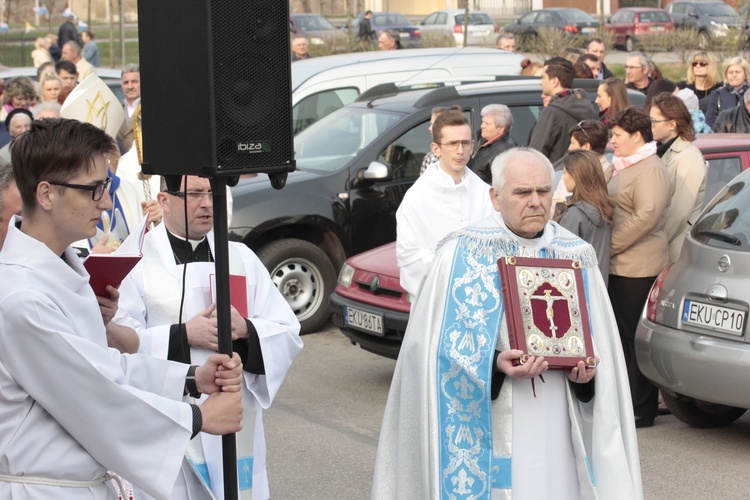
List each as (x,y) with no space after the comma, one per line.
(545,307)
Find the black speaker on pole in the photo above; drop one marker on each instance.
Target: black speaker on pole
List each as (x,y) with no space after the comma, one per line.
(216,87)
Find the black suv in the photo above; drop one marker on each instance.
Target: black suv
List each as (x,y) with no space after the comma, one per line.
(353,168)
(712,18)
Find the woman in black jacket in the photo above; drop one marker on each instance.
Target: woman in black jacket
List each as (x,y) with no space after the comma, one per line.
(736,78)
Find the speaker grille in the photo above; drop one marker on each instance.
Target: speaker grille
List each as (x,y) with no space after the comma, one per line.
(252,84)
(216,86)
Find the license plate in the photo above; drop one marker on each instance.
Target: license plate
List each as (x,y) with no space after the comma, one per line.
(588,30)
(714,317)
(656,28)
(364,320)
(404,35)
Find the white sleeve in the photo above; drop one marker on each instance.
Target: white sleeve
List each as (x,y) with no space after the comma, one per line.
(413,256)
(132,312)
(85,389)
(277,327)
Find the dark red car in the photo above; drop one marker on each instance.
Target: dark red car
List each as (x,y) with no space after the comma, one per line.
(372,310)
(630,22)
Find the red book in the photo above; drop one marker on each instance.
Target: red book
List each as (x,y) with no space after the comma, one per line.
(110,269)
(545,308)
(237,293)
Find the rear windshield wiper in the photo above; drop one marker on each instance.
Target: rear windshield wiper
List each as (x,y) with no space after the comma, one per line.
(718,235)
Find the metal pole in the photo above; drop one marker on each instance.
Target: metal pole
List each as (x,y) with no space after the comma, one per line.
(224,319)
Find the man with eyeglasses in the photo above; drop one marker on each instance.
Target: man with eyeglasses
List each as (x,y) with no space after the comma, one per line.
(447,197)
(567,106)
(71,408)
(637,72)
(265,330)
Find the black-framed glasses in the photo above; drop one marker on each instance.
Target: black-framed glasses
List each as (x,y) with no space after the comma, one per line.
(453,145)
(579,126)
(192,195)
(97,190)
(702,64)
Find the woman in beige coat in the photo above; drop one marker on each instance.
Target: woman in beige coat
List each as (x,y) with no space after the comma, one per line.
(673,130)
(640,186)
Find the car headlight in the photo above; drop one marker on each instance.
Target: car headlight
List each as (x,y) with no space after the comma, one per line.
(345,275)
(317,41)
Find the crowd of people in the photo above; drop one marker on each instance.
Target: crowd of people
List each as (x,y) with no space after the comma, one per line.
(630,217)
(132,385)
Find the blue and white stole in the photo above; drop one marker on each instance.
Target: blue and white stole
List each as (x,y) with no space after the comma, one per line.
(472,317)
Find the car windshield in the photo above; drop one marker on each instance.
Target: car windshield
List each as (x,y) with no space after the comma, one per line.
(332,142)
(474,18)
(575,16)
(314,23)
(390,20)
(726,221)
(716,9)
(655,17)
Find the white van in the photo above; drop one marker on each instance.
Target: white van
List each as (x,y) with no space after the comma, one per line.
(322,85)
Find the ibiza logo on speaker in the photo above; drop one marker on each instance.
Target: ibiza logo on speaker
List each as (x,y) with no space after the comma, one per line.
(253,147)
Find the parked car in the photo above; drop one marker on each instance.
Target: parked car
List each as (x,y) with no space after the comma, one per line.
(692,340)
(573,21)
(372,310)
(628,23)
(481,28)
(410,34)
(317,29)
(324,84)
(711,18)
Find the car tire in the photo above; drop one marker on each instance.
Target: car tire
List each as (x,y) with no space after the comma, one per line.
(697,413)
(629,44)
(305,276)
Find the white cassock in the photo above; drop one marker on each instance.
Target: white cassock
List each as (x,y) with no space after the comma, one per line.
(431,209)
(150,301)
(444,437)
(70,407)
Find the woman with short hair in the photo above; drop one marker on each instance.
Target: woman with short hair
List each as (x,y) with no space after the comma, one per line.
(672,127)
(19,93)
(736,82)
(638,251)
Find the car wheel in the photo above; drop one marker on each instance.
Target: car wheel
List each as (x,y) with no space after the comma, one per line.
(629,44)
(305,276)
(697,413)
(704,40)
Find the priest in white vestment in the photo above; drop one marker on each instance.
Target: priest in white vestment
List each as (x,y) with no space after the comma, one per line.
(267,338)
(448,196)
(71,409)
(461,420)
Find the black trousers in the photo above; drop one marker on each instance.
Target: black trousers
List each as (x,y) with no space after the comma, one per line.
(628,296)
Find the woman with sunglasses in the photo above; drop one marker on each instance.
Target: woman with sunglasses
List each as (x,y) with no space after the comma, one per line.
(702,78)
(736,78)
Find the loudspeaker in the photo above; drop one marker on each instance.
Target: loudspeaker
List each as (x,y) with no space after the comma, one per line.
(215,87)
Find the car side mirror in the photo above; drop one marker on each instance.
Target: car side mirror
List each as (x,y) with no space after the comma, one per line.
(375,172)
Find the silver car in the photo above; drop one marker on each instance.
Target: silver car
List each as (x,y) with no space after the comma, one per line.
(692,340)
(480,30)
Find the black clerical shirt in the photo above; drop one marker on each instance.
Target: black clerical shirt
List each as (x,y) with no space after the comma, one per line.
(179,349)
